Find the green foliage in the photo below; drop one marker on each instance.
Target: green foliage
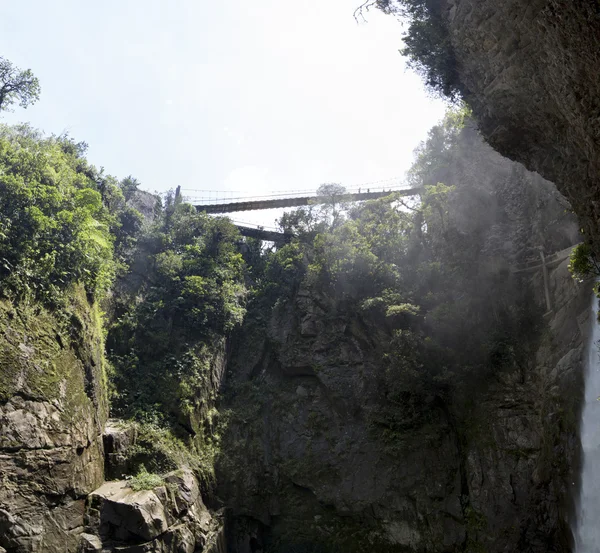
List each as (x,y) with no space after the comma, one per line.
(582,263)
(129,186)
(166,334)
(145,480)
(332,208)
(435,154)
(283,271)
(55,228)
(157,448)
(17,86)
(427,42)
(422,273)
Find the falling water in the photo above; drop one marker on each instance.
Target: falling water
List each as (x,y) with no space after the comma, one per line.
(587,535)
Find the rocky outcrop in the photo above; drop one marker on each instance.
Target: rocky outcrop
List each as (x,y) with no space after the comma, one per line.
(52,409)
(304,463)
(529,69)
(317,458)
(169,518)
(306,466)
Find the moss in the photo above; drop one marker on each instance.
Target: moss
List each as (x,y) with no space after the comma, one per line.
(54,356)
(158,449)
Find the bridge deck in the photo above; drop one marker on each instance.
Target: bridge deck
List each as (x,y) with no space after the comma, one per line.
(253,205)
(261,234)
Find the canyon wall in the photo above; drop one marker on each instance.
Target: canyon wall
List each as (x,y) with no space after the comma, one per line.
(529,70)
(52,412)
(317,457)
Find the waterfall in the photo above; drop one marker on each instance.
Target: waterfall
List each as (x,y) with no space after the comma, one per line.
(587,534)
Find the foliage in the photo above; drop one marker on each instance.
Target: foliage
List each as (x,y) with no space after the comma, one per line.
(283,271)
(427,42)
(435,154)
(156,448)
(56,223)
(129,186)
(332,204)
(167,332)
(145,480)
(582,263)
(423,274)
(17,86)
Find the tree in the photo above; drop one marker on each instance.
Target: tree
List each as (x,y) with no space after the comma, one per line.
(129,186)
(332,206)
(17,86)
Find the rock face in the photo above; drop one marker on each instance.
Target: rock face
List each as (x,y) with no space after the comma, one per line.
(309,463)
(529,69)
(306,469)
(52,409)
(170,518)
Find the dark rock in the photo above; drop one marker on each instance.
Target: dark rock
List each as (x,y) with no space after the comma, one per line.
(529,70)
(488,470)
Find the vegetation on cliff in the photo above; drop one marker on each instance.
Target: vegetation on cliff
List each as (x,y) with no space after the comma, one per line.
(169,325)
(67,232)
(432,274)
(427,45)
(421,288)
(394,335)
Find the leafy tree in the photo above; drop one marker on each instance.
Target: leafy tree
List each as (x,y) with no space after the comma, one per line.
(582,263)
(17,86)
(332,196)
(427,42)
(192,295)
(129,185)
(55,228)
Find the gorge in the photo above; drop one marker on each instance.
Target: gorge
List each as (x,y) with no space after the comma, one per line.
(404,374)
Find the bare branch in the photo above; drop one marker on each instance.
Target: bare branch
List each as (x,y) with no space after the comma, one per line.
(362,9)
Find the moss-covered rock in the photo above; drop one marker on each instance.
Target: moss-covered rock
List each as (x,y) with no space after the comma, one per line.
(52,409)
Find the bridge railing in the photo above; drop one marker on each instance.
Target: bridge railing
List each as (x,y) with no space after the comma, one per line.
(212,197)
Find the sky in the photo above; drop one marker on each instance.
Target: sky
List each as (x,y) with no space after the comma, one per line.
(229,97)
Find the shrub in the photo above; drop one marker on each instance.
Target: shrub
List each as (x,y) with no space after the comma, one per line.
(145,480)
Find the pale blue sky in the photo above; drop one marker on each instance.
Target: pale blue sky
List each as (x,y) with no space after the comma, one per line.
(230,95)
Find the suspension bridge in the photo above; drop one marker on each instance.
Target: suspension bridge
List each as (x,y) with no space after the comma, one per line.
(210,202)
(275,201)
(222,202)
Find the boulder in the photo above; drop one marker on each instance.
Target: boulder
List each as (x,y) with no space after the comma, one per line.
(170,518)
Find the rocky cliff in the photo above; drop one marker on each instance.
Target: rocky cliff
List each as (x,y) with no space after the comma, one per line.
(530,72)
(307,467)
(319,458)
(52,412)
